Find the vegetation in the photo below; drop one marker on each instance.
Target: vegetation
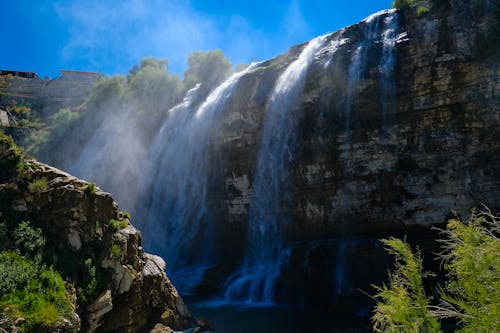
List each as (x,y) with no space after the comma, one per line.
(472,291)
(32,292)
(117,224)
(422,10)
(28,241)
(402,3)
(208,68)
(38,185)
(90,189)
(403,302)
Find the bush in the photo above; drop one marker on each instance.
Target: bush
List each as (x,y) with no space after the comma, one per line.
(38,186)
(471,256)
(472,290)
(117,224)
(32,292)
(89,288)
(422,10)
(403,305)
(402,3)
(28,241)
(90,189)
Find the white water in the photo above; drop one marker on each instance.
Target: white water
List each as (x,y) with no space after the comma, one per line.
(253,283)
(386,67)
(179,223)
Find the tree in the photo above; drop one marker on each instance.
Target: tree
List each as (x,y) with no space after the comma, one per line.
(471,256)
(149,62)
(472,291)
(209,68)
(403,305)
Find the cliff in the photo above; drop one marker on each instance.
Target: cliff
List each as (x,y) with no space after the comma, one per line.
(380,128)
(113,284)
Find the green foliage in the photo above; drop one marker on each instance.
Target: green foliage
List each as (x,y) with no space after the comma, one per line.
(127,215)
(107,91)
(63,125)
(12,157)
(38,185)
(208,68)
(161,64)
(117,224)
(152,89)
(402,3)
(32,292)
(471,256)
(28,241)
(116,250)
(90,189)
(89,287)
(25,165)
(422,10)
(403,305)
(472,290)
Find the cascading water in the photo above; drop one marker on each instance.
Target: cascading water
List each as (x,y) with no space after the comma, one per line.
(253,283)
(179,224)
(386,67)
(359,63)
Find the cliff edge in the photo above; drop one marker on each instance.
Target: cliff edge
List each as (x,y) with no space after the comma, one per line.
(113,285)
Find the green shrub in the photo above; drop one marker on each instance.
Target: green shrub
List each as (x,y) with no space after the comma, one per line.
(38,185)
(116,250)
(28,241)
(127,215)
(32,292)
(117,224)
(90,189)
(402,3)
(422,10)
(472,290)
(403,305)
(471,256)
(89,286)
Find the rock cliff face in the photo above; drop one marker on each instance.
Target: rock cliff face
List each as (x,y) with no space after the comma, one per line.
(84,228)
(377,162)
(396,124)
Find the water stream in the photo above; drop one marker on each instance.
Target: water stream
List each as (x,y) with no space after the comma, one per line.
(265,253)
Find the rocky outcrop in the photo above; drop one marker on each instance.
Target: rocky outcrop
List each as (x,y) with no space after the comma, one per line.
(89,238)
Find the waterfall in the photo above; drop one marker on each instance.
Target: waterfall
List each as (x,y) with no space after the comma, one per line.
(386,67)
(253,283)
(359,61)
(179,225)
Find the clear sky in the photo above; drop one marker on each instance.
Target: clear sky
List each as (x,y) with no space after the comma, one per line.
(110,36)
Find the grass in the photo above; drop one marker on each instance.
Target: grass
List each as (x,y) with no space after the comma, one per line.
(38,185)
(90,189)
(33,292)
(422,10)
(117,224)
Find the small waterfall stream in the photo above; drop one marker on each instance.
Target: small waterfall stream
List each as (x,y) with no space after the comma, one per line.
(386,67)
(253,283)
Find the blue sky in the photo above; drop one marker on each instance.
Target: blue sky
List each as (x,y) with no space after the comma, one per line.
(110,36)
